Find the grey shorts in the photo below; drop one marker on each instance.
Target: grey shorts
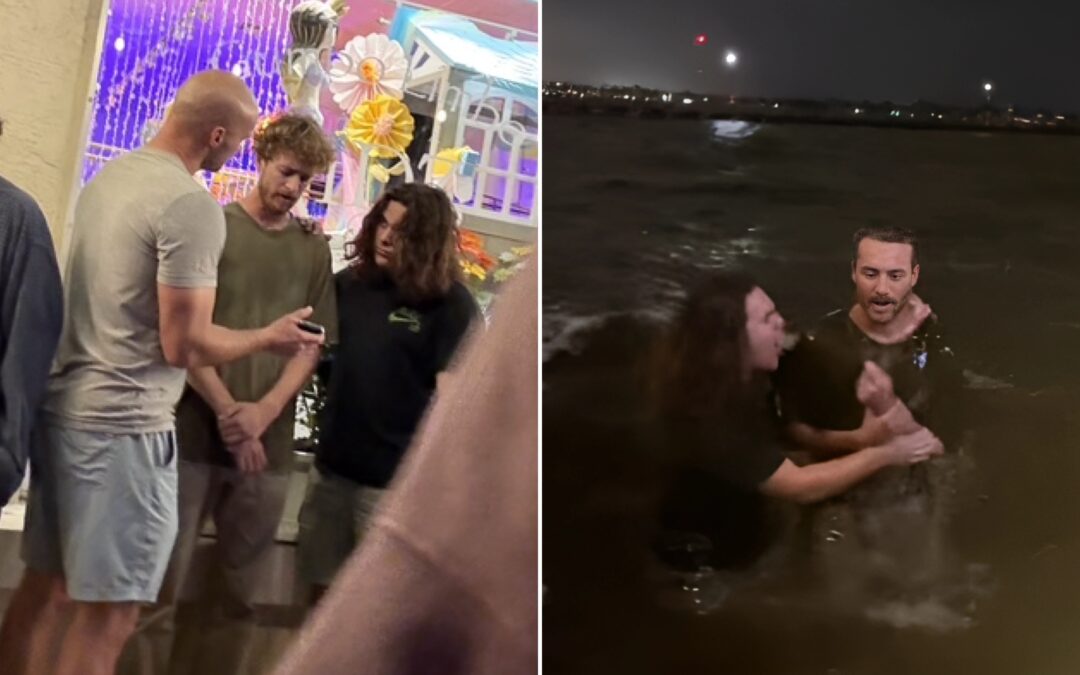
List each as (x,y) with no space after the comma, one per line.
(335,515)
(102,511)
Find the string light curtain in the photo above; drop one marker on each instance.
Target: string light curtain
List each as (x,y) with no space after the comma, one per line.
(152,46)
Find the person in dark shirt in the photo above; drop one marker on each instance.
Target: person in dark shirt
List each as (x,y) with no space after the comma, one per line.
(712,387)
(402,312)
(888,324)
(897,519)
(31,316)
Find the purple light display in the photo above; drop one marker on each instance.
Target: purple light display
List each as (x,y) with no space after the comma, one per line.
(152,46)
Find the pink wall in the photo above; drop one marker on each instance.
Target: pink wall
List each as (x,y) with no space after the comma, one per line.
(363,17)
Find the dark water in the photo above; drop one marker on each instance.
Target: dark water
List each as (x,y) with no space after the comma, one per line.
(632,210)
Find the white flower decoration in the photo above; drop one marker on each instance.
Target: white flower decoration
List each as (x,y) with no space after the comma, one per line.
(366,68)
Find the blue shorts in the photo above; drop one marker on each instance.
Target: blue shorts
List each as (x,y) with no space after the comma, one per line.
(102,511)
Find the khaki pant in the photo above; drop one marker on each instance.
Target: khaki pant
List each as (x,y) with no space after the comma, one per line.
(246,510)
(334,518)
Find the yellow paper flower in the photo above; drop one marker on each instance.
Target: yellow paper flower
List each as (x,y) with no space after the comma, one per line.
(446,159)
(379,172)
(383,123)
(471,269)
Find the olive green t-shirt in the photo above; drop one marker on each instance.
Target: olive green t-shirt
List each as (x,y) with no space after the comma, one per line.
(262,275)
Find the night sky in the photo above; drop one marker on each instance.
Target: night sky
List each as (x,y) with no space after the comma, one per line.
(875,50)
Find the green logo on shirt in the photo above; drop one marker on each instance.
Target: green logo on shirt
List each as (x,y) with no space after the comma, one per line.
(406,316)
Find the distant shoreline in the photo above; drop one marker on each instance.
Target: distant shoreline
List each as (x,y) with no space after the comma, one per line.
(838,114)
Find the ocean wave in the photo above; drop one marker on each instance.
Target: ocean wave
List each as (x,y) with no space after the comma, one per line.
(976,381)
(608,333)
(564,333)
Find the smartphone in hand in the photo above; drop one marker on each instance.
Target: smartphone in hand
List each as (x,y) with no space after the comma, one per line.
(311,327)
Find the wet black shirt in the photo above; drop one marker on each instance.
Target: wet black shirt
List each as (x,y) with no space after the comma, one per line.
(715,494)
(816,382)
(383,373)
(817,379)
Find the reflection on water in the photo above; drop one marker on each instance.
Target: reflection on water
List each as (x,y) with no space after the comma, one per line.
(733,129)
(977,575)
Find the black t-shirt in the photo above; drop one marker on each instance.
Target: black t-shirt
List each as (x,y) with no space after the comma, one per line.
(816,384)
(715,494)
(817,379)
(383,373)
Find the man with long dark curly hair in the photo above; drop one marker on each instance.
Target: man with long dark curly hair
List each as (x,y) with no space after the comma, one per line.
(402,312)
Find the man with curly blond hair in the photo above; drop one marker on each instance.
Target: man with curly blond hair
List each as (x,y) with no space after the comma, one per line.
(235,422)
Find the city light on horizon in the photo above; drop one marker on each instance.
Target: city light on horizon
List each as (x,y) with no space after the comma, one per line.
(844,60)
(949,114)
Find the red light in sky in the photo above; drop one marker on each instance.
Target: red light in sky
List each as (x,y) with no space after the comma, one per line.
(701,39)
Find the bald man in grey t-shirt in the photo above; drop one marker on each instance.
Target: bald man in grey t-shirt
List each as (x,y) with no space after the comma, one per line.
(139,292)
(110,373)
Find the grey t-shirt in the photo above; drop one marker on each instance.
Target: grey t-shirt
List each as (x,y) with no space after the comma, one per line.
(143,220)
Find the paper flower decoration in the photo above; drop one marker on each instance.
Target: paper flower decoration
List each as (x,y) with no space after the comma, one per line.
(475,260)
(264,122)
(382,174)
(339,8)
(384,124)
(448,158)
(365,68)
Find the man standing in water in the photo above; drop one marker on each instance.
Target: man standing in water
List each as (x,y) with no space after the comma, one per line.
(891,326)
(888,325)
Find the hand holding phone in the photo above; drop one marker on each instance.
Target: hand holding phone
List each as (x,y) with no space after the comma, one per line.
(311,327)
